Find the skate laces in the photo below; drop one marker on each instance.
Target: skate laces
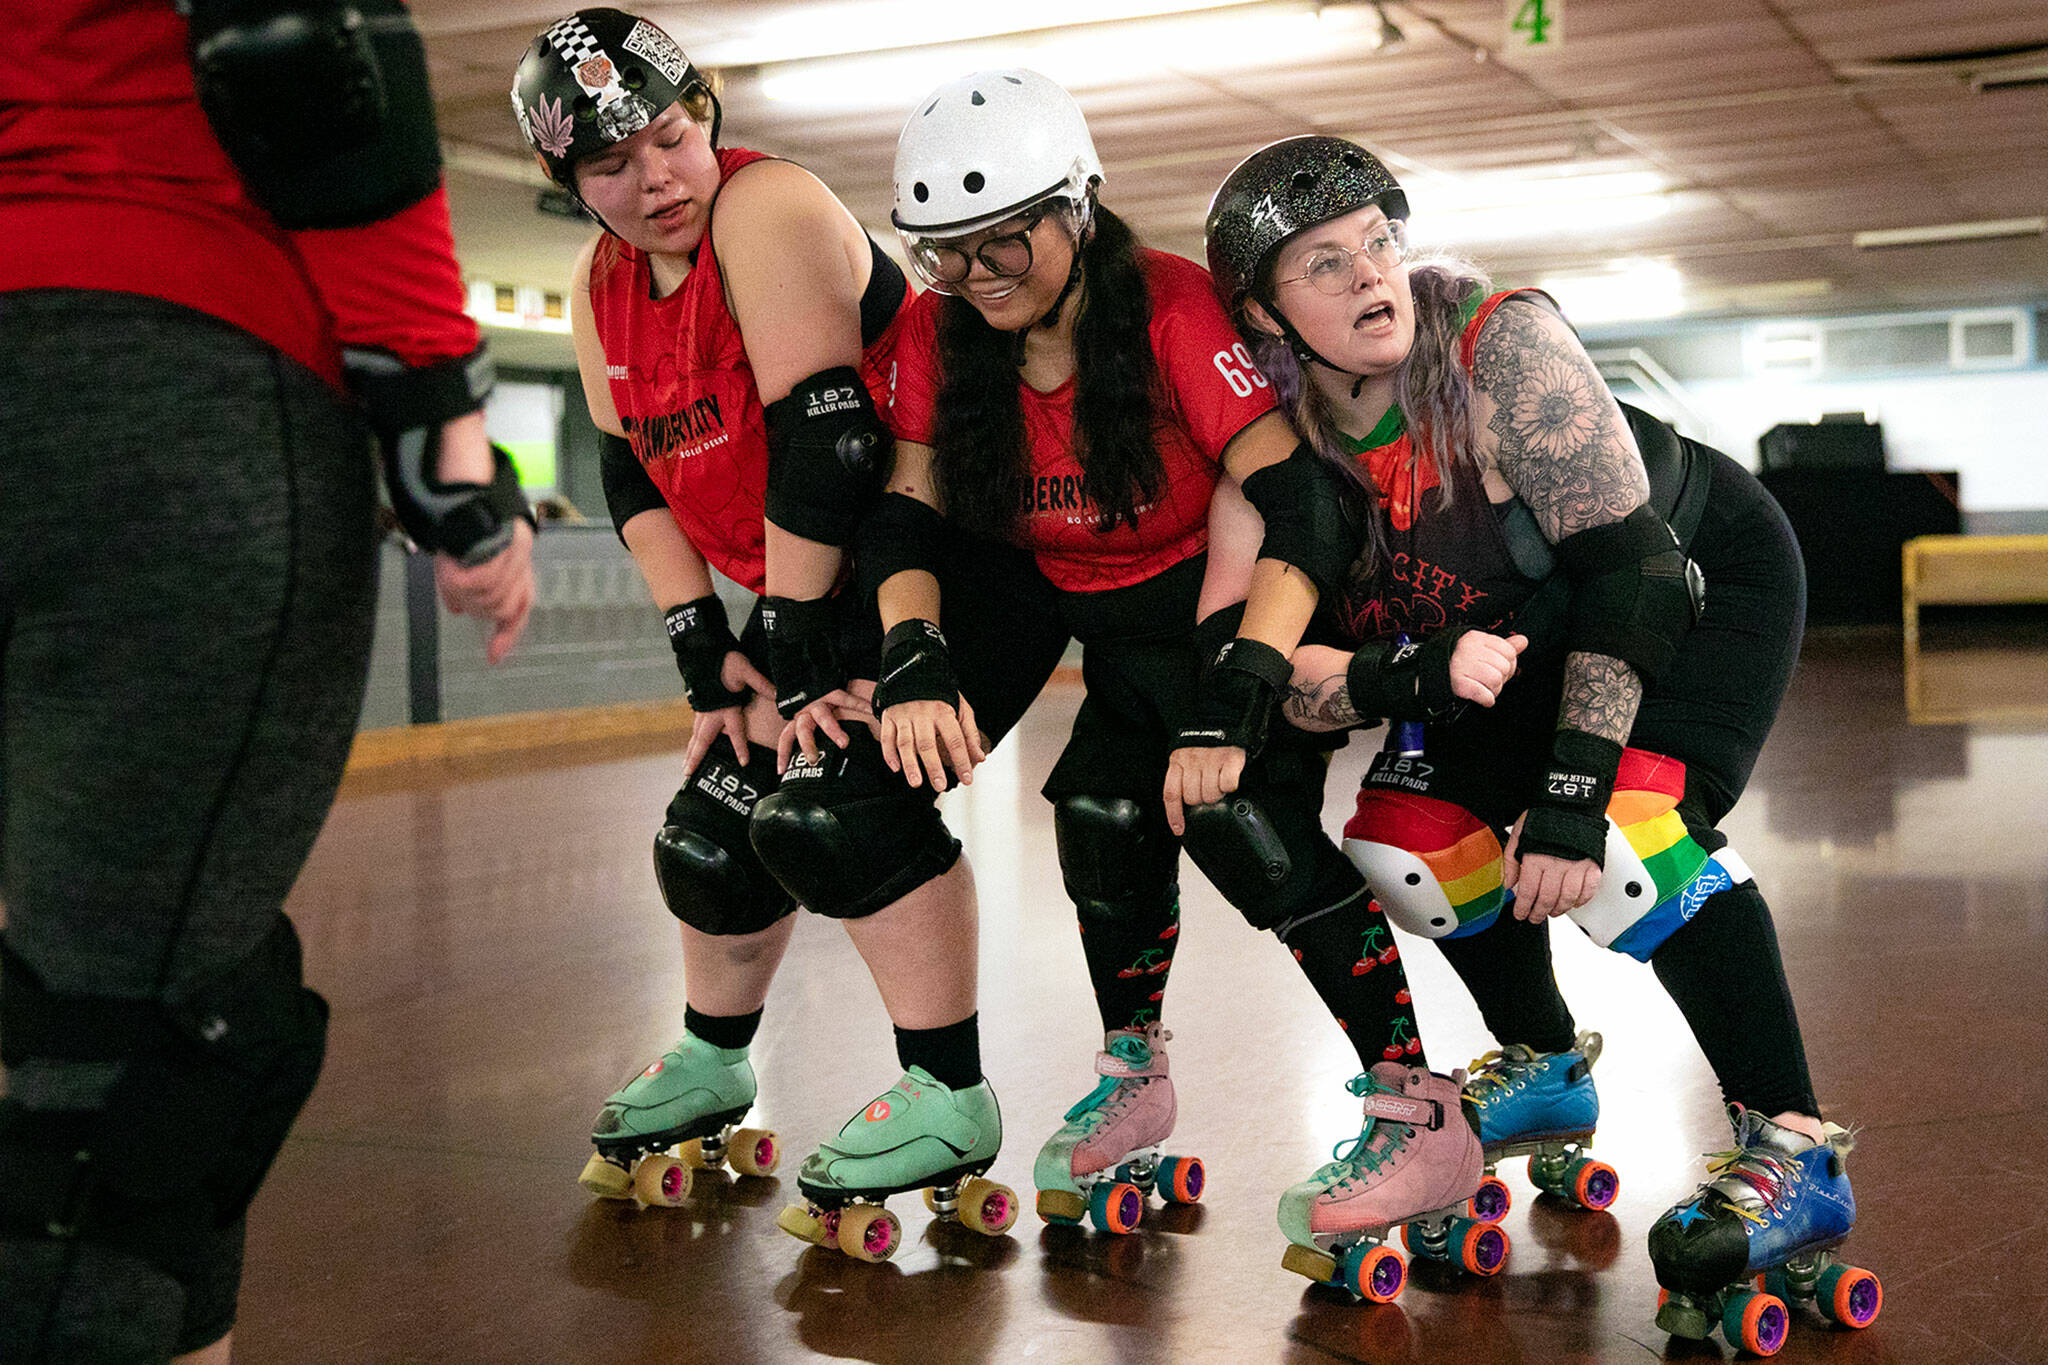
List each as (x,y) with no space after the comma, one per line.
(1767,1174)
(1497,1071)
(1373,1147)
(1124,1048)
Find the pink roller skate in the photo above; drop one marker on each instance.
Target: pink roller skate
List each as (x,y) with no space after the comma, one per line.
(1104,1159)
(1414,1164)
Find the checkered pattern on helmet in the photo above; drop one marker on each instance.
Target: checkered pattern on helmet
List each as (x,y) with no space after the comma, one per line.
(573,39)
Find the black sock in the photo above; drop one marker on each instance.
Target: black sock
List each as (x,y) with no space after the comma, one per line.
(722,1030)
(1333,948)
(950,1054)
(1129,945)
(1723,969)
(1507,969)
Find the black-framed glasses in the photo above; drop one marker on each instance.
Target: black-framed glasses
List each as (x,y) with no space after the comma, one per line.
(1331,269)
(1006,256)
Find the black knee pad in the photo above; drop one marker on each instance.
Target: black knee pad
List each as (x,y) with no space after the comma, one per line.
(1237,848)
(846,836)
(207,1091)
(704,860)
(1264,847)
(1111,847)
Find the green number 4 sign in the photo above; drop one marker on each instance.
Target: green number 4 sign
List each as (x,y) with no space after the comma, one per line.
(1535,23)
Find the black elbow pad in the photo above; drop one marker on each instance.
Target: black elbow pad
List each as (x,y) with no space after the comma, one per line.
(1634,593)
(903,533)
(1307,526)
(323,105)
(828,454)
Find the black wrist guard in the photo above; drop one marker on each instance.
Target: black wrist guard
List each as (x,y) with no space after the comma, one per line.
(701,637)
(803,650)
(1234,704)
(406,407)
(1402,681)
(915,667)
(1568,818)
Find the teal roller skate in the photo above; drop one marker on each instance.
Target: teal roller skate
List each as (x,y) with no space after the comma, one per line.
(918,1134)
(1105,1158)
(1541,1105)
(1760,1235)
(692,1096)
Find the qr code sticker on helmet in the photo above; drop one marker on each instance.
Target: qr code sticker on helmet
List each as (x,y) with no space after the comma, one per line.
(650,42)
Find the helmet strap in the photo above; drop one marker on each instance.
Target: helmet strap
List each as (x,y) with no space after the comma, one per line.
(1052,314)
(1304,352)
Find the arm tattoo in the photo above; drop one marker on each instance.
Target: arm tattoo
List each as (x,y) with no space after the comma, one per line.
(1320,706)
(1563,447)
(1600,696)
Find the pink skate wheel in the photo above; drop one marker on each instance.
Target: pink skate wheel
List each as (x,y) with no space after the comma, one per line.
(1849,1295)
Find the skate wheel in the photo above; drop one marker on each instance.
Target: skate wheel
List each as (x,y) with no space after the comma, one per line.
(1591,1184)
(869,1232)
(1182,1179)
(1310,1263)
(1373,1271)
(986,1207)
(1115,1205)
(931,1199)
(691,1154)
(1478,1248)
(800,1223)
(1849,1295)
(754,1151)
(1491,1201)
(606,1179)
(1061,1206)
(1755,1322)
(661,1182)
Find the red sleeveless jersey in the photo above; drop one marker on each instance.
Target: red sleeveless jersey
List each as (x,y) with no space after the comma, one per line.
(685,393)
(1209,391)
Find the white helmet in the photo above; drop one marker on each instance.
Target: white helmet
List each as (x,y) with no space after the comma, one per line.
(979,149)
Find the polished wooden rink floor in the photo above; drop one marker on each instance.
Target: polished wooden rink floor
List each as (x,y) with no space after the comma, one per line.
(498,960)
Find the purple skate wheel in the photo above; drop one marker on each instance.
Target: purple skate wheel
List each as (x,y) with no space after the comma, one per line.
(1849,1295)
(1756,1322)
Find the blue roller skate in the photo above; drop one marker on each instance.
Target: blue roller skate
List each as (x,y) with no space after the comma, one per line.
(1541,1105)
(1760,1234)
(690,1099)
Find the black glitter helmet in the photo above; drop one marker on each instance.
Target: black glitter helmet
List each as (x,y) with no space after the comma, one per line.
(595,78)
(1283,188)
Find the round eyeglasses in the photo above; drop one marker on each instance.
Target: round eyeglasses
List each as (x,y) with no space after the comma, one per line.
(1006,256)
(1332,269)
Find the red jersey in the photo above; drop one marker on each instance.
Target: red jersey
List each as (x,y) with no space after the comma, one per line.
(1450,566)
(112,179)
(685,394)
(1209,391)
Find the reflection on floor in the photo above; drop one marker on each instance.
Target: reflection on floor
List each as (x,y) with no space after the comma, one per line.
(498,959)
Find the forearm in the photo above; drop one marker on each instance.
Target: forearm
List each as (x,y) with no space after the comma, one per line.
(1319,703)
(1601,696)
(1281,602)
(800,568)
(669,564)
(912,594)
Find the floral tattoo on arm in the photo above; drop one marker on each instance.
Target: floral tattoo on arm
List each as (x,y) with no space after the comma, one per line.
(1320,706)
(1563,447)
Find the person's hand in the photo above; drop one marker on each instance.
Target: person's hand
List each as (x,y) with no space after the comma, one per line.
(1199,776)
(499,591)
(1481,665)
(828,714)
(921,739)
(737,674)
(1545,885)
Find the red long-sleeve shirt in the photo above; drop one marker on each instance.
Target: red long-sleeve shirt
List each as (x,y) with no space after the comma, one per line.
(111,179)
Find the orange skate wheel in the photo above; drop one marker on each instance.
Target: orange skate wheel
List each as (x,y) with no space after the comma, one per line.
(1375,1272)
(869,1232)
(1182,1179)
(754,1151)
(1480,1248)
(1849,1295)
(661,1182)
(1116,1205)
(1758,1323)
(1594,1184)
(987,1207)
(1490,1202)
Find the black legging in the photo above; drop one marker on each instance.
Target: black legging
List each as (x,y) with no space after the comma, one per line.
(1712,710)
(187,589)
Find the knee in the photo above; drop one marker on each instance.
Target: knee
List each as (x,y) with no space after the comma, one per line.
(1238,848)
(704,861)
(1112,848)
(847,837)
(1434,867)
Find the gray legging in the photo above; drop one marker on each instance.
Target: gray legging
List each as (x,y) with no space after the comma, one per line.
(187,585)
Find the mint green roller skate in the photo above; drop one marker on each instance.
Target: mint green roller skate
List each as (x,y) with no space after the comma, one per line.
(693,1096)
(916,1135)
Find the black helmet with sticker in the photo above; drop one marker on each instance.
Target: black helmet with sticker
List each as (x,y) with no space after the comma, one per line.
(596,77)
(1283,188)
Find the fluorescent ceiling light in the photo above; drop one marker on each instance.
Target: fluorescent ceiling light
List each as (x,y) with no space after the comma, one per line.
(1950,232)
(802,33)
(1079,58)
(1631,290)
(1494,208)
